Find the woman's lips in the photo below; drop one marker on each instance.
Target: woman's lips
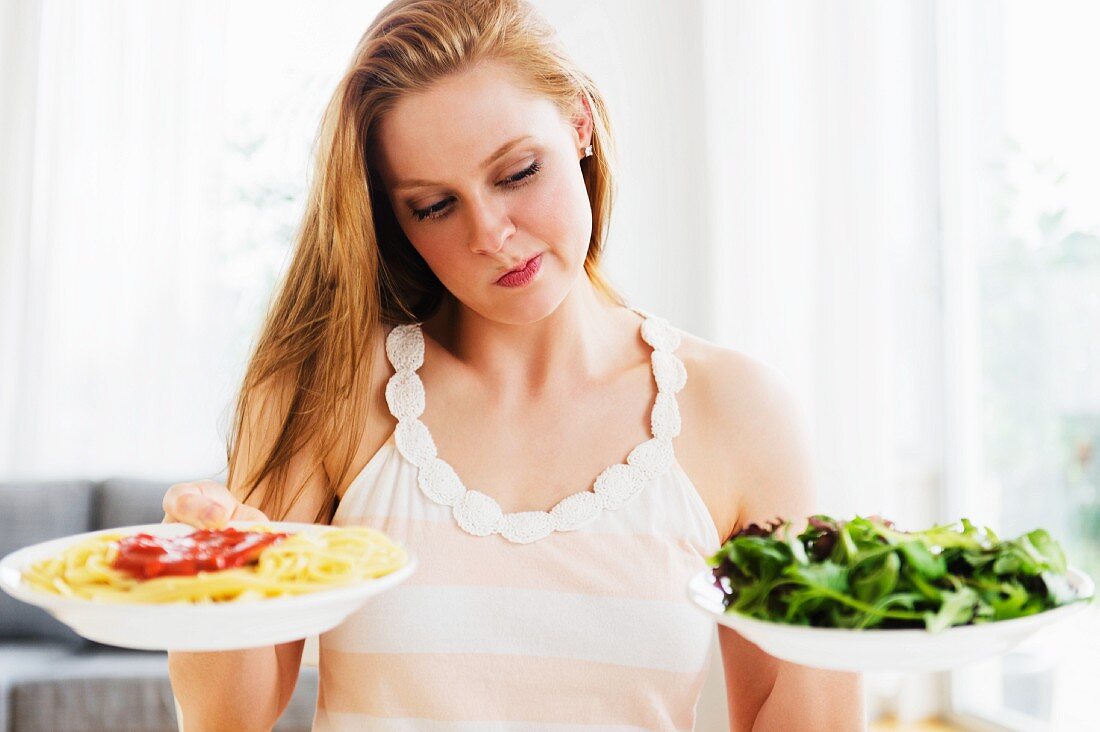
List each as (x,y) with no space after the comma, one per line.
(520,277)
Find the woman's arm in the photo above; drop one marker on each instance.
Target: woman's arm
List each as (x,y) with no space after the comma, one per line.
(248,689)
(771,471)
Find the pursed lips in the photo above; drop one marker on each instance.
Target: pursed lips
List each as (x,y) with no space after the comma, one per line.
(518,268)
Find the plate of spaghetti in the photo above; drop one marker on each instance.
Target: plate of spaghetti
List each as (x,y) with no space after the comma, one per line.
(172,587)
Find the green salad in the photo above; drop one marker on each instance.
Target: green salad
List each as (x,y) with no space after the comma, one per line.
(864,573)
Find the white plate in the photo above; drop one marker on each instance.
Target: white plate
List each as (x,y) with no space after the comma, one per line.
(883,650)
(184,626)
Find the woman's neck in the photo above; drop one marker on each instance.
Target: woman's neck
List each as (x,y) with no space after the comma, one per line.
(578,342)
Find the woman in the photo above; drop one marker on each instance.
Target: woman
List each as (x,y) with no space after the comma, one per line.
(445,362)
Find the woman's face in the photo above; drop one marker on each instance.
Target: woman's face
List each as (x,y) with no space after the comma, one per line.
(484,176)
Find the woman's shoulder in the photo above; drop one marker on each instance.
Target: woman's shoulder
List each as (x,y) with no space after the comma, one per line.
(378,422)
(744,419)
(732,381)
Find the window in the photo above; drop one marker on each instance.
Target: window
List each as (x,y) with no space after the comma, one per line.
(1030,383)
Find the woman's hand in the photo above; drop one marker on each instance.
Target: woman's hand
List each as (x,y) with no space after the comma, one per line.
(206,504)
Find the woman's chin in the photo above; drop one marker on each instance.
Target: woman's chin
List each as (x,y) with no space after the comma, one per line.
(526,305)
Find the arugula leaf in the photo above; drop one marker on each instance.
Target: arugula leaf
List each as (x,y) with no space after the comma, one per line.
(1049,549)
(918,557)
(957,609)
(873,580)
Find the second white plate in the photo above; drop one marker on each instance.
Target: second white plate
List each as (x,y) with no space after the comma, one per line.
(882,650)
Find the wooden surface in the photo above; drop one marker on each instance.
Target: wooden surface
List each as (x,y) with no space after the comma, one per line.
(930,725)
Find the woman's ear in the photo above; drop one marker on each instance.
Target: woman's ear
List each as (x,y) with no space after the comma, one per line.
(582,123)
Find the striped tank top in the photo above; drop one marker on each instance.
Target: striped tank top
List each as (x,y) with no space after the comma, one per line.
(574,618)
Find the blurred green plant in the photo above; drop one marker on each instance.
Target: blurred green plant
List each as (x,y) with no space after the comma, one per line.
(1039,445)
(266,164)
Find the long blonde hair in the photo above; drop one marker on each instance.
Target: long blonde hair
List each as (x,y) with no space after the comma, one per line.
(353,269)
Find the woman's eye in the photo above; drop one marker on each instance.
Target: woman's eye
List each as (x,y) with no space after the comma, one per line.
(527,172)
(439,210)
(432,212)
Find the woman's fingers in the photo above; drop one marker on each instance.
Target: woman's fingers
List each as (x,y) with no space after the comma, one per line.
(206,504)
(186,503)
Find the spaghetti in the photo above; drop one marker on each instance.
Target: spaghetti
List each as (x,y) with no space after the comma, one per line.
(294,564)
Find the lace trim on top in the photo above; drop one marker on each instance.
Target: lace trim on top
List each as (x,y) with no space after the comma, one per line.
(479,514)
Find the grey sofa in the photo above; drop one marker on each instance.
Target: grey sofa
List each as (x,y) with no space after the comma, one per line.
(52,680)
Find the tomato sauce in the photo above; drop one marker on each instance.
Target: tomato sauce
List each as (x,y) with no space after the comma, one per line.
(146,556)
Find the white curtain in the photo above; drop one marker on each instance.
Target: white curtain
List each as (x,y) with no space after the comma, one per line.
(822,130)
(19,24)
(113,334)
(827,124)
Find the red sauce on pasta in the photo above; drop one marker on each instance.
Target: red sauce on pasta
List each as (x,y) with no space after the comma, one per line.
(146,556)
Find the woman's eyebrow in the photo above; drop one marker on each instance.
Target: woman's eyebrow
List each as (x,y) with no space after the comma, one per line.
(500,151)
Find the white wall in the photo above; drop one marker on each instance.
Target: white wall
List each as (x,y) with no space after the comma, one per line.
(647,59)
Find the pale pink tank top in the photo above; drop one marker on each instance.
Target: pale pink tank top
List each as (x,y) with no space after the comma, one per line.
(570,619)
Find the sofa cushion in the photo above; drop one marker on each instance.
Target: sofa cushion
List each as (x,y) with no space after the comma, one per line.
(47,686)
(128,502)
(116,690)
(31,512)
(21,659)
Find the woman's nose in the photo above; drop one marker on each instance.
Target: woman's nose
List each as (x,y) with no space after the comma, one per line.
(490,226)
